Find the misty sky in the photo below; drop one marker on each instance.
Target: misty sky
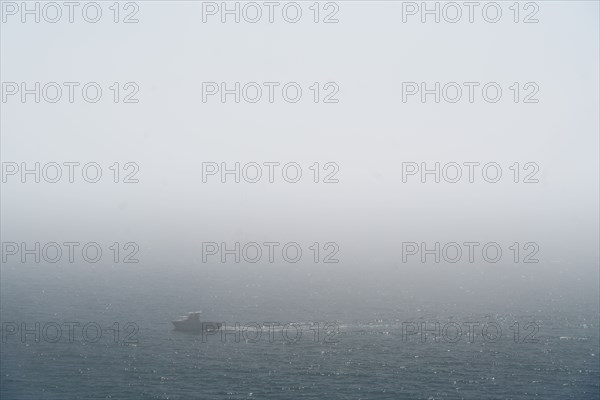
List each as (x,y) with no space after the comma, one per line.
(369,133)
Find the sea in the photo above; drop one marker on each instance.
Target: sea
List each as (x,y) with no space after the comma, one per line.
(88,334)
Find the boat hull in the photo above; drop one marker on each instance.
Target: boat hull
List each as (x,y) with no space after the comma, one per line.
(196,327)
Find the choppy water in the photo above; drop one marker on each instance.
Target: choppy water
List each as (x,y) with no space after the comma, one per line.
(366,358)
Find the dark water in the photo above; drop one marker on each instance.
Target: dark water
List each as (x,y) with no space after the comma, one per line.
(361,353)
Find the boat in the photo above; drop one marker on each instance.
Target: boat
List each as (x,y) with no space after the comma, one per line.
(192,323)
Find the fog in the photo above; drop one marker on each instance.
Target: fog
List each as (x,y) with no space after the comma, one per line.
(368,136)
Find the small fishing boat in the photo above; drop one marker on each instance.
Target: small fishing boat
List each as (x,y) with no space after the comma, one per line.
(192,323)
